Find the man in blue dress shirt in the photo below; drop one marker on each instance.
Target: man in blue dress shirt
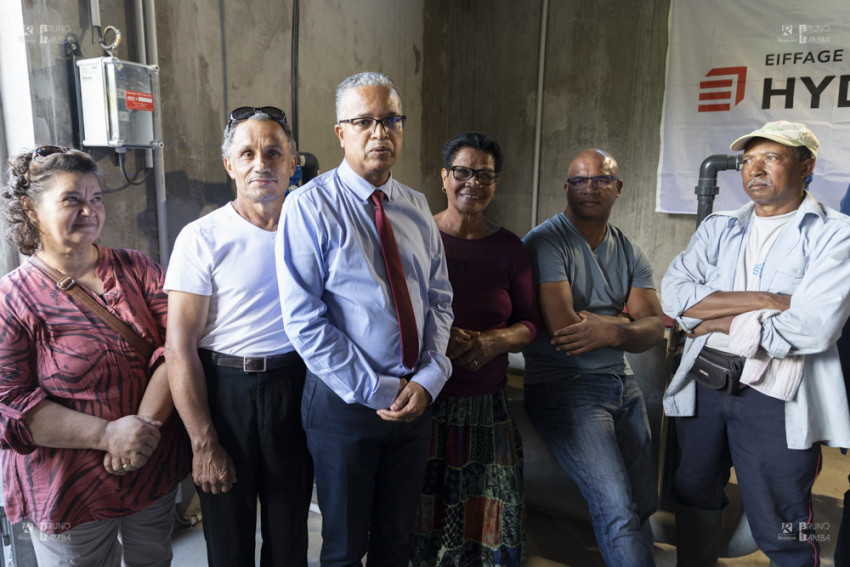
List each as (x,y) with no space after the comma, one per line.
(366,413)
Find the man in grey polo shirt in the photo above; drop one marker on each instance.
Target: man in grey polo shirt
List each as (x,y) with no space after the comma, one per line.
(579,390)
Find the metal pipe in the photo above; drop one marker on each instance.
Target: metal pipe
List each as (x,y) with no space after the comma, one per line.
(538,112)
(142,57)
(707,187)
(293,63)
(94,12)
(158,159)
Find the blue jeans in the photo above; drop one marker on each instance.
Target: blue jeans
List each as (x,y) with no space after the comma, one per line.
(596,426)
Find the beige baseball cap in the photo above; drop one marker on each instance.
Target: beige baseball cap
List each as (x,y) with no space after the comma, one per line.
(784,132)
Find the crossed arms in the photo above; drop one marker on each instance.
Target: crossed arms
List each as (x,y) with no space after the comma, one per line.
(577,333)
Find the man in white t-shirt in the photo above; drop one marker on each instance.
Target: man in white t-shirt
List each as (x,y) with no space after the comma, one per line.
(769,283)
(235,376)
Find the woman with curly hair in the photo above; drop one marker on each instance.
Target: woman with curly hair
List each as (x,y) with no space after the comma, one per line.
(91,459)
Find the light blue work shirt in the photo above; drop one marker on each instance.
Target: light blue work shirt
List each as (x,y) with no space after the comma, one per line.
(810,261)
(337,304)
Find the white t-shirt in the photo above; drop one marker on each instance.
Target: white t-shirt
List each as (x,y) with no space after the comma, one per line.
(762,233)
(230,260)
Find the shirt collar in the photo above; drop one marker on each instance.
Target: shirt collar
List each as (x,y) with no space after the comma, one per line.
(362,188)
(810,205)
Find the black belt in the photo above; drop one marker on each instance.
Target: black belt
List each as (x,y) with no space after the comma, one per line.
(252,363)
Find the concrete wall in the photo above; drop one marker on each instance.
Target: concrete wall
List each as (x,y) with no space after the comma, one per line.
(216,56)
(47,105)
(603,87)
(469,64)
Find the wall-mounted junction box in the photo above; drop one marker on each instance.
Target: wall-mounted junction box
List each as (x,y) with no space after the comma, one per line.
(118,99)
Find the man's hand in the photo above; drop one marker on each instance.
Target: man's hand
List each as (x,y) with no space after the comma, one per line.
(212,469)
(591,333)
(722,303)
(777,301)
(411,401)
(719,325)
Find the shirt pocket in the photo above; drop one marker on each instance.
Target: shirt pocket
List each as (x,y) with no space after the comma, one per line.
(788,277)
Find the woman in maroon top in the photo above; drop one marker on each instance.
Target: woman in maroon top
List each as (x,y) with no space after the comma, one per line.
(89,452)
(471,510)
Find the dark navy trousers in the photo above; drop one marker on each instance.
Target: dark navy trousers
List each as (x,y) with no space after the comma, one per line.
(369,474)
(747,430)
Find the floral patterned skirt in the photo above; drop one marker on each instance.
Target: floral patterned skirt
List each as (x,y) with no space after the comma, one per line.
(471,510)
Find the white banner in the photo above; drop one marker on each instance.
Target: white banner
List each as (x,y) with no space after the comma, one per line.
(731,67)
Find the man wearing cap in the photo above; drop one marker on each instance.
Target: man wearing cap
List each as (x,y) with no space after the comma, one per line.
(235,376)
(762,293)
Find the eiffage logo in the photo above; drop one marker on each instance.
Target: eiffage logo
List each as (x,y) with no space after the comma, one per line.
(715,94)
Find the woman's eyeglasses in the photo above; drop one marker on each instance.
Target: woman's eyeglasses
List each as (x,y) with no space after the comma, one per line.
(484,176)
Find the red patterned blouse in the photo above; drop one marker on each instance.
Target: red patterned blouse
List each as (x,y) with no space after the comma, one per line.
(53,348)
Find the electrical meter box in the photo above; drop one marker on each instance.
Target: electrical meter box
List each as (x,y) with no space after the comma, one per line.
(118,99)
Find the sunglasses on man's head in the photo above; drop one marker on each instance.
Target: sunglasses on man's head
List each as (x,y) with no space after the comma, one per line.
(246,112)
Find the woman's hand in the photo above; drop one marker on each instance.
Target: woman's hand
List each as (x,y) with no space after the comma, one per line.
(116,465)
(474,349)
(119,466)
(460,341)
(131,439)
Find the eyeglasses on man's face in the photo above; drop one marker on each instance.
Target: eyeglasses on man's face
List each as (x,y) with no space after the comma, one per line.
(246,112)
(484,176)
(602,181)
(364,124)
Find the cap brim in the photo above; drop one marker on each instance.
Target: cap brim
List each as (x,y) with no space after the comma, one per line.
(741,143)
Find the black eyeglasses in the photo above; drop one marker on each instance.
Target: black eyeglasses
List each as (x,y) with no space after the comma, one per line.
(598,180)
(390,123)
(484,176)
(45,151)
(246,112)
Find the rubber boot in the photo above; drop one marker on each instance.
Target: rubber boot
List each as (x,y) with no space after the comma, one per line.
(698,536)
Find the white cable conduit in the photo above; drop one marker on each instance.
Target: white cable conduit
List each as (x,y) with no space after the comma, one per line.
(538,112)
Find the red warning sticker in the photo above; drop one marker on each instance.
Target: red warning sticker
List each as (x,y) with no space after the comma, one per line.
(139,101)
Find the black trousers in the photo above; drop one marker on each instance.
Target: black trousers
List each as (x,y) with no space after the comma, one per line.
(257,416)
(369,473)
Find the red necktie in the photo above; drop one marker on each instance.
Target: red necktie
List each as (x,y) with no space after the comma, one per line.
(398,285)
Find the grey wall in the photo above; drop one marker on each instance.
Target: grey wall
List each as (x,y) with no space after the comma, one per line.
(130,209)
(460,64)
(603,87)
(216,56)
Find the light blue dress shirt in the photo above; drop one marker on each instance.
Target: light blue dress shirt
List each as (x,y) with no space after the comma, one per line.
(336,299)
(809,261)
